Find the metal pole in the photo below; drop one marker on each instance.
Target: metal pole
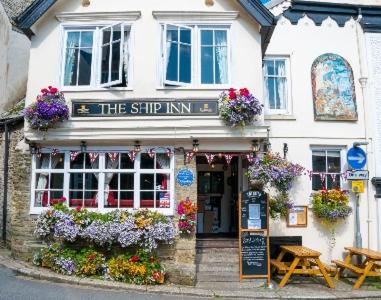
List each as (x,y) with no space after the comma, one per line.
(5,178)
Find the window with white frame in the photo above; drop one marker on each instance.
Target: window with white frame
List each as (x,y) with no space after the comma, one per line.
(195,55)
(96,56)
(103,180)
(326,169)
(276,85)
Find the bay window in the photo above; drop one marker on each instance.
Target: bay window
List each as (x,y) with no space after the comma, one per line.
(97,56)
(195,55)
(103,180)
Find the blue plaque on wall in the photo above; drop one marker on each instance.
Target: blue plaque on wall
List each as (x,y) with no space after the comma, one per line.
(185,177)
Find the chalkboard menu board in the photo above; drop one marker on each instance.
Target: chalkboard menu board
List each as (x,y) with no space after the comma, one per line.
(254,254)
(254,210)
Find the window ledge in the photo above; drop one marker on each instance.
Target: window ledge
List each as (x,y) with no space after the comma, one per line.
(89,89)
(96,16)
(195,15)
(192,88)
(280,117)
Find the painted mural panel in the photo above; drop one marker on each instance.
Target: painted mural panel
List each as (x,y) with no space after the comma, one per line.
(333,89)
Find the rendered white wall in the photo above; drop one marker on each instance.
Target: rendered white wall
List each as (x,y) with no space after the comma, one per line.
(5,29)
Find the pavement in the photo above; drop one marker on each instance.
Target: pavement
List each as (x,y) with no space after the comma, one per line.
(21,280)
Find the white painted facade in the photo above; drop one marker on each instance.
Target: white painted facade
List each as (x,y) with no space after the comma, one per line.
(301,44)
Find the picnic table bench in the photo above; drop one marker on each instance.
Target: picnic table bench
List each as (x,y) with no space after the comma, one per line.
(306,262)
(370,266)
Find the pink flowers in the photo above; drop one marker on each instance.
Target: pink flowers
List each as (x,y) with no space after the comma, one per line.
(187,211)
(49,90)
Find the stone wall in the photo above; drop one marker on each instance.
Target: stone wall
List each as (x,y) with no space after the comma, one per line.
(178,259)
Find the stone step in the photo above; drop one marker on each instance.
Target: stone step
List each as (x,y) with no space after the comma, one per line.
(217,251)
(218,267)
(217,243)
(210,259)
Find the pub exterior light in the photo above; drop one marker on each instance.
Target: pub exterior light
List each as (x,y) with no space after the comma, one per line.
(255,146)
(196,146)
(285,150)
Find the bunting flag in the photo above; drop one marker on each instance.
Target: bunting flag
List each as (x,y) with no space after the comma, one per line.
(73,155)
(322,178)
(210,157)
(151,152)
(333,177)
(113,156)
(132,155)
(189,157)
(228,158)
(55,151)
(93,156)
(250,157)
(39,153)
(169,152)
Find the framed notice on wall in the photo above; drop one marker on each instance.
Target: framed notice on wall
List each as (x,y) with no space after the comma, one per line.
(297,216)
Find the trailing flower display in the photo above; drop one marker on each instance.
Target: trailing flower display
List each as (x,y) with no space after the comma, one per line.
(139,268)
(279,174)
(49,109)
(239,107)
(144,229)
(187,216)
(330,206)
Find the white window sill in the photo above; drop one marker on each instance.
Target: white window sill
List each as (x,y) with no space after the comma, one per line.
(280,117)
(169,212)
(192,88)
(90,89)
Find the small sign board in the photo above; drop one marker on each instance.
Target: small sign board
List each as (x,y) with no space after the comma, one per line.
(356,158)
(185,177)
(254,259)
(358,175)
(297,216)
(358,186)
(254,209)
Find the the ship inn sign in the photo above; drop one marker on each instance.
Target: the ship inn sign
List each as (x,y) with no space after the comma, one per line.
(85,108)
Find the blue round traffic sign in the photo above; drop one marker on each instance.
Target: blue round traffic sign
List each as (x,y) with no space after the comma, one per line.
(356,158)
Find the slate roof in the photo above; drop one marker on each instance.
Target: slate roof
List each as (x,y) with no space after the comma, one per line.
(14,8)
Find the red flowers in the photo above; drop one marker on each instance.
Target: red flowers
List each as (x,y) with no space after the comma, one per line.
(244,92)
(134,259)
(49,90)
(232,94)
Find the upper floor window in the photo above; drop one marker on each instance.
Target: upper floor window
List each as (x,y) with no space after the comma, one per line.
(96,56)
(276,84)
(326,168)
(195,55)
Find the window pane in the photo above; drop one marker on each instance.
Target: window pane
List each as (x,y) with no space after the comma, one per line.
(126,162)
(41,199)
(126,199)
(71,67)
(147,199)
(105,63)
(163,161)
(42,181)
(280,68)
(147,182)
(318,162)
(56,181)
(269,67)
(112,163)
(334,164)
(221,64)
(172,61)
(163,200)
(117,33)
(86,39)
(126,181)
(162,182)
(106,36)
(43,162)
(146,161)
(58,161)
(271,90)
(76,198)
(91,181)
(207,65)
(185,35)
(111,199)
(115,63)
(185,63)
(73,39)
(78,162)
(84,76)
(280,93)
(113,185)
(207,37)
(91,199)
(331,184)
(172,33)
(76,181)
(221,38)
(55,197)
(316,183)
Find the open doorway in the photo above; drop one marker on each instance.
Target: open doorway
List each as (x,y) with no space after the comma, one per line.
(217,196)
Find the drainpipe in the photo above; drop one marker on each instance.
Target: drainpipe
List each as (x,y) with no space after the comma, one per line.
(369,149)
(5,181)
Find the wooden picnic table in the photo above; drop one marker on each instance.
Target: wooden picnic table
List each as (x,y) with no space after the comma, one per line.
(306,262)
(370,266)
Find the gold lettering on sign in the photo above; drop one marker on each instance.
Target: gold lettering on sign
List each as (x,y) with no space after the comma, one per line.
(83,110)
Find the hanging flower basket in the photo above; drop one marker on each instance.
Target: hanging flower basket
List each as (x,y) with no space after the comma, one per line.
(187,217)
(239,108)
(49,109)
(331,206)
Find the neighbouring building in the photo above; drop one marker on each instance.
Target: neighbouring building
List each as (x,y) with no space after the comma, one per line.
(146,75)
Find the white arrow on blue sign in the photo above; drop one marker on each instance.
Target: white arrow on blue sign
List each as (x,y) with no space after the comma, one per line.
(356,158)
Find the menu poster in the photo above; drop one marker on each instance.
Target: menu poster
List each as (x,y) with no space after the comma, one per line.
(254,210)
(254,254)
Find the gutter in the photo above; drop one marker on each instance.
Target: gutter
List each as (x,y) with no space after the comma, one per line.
(6,124)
